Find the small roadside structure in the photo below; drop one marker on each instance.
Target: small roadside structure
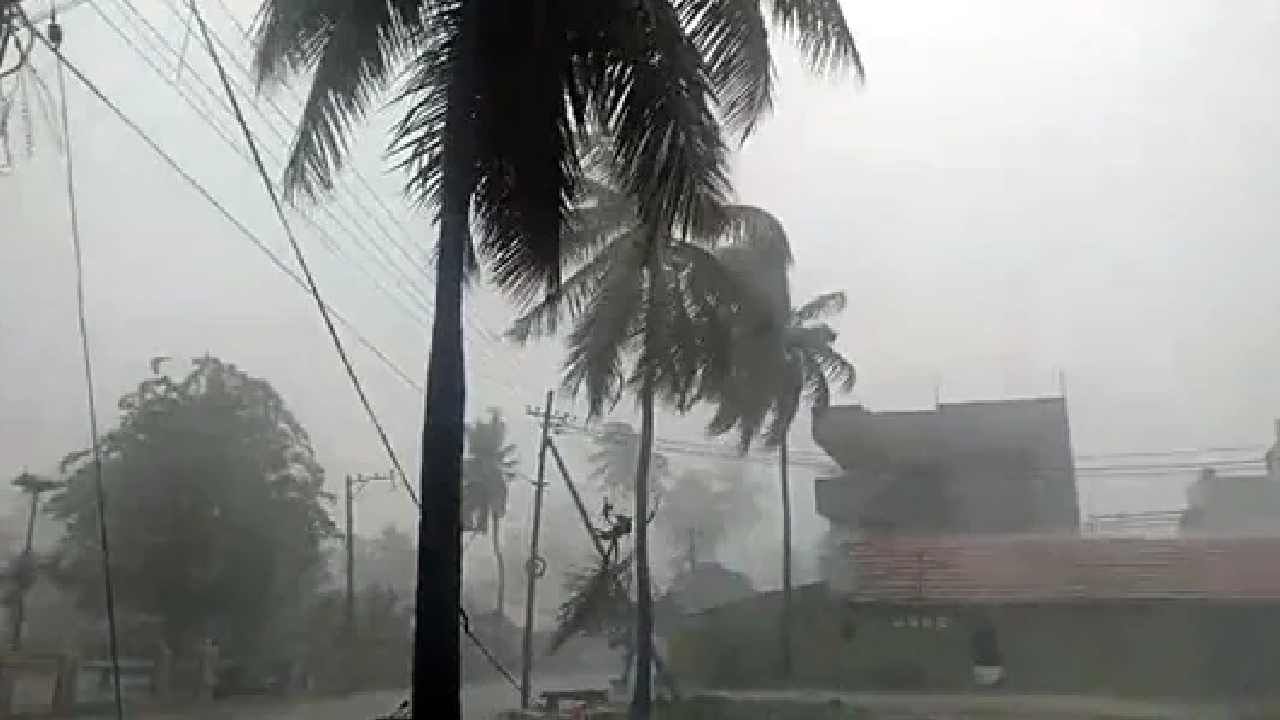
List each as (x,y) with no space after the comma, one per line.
(1137,617)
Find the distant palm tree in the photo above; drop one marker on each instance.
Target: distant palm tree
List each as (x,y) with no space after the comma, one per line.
(776,365)
(488,469)
(498,98)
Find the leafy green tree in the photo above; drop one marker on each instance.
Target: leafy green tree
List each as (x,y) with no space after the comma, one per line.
(488,469)
(216,510)
(780,361)
(498,98)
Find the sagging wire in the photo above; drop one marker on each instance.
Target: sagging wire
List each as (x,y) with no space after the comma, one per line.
(54,43)
(312,286)
(488,654)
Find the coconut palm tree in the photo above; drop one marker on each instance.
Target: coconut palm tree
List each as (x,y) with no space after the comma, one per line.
(649,316)
(776,366)
(488,469)
(498,97)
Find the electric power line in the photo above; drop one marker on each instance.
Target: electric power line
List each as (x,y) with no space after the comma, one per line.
(222,210)
(486,350)
(207,116)
(402,278)
(54,44)
(493,660)
(399,246)
(302,260)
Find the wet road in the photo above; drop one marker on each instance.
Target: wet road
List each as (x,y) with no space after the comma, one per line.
(479,702)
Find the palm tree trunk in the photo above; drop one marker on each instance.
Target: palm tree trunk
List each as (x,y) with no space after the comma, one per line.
(502,575)
(436,672)
(436,689)
(785,626)
(642,699)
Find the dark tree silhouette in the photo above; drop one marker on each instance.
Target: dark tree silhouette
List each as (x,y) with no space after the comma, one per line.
(489,468)
(217,511)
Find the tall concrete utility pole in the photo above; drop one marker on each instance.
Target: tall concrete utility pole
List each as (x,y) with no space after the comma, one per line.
(535,564)
(350,625)
(353,487)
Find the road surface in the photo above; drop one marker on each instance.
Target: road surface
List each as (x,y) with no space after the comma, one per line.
(483,701)
(479,702)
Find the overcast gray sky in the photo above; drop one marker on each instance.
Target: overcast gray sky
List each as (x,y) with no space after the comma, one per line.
(1021,188)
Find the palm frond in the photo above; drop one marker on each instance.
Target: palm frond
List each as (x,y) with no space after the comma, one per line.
(573,295)
(353,48)
(821,307)
(656,316)
(592,227)
(758,252)
(756,258)
(835,367)
(820,31)
(521,177)
(734,42)
(786,401)
(819,389)
(420,137)
(596,602)
(651,93)
(713,296)
(758,231)
(528,140)
(609,329)
(676,350)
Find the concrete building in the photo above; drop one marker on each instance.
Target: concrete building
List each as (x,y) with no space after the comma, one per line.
(961,568)
(1236,504)
(1130,617)
(980,467)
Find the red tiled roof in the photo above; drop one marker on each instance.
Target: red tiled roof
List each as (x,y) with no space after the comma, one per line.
(1056,568)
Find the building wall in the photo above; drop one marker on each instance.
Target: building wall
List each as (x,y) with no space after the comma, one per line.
(1233,505)
(968,467)
(1149,649)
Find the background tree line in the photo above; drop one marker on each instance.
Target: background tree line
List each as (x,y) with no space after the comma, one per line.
(220,528)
